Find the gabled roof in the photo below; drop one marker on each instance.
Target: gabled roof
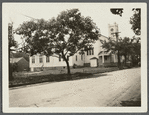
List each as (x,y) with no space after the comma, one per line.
(15,60)
(103,36)
(105,53)
(93,58)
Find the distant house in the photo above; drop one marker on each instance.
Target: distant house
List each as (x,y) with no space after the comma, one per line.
(19,55)
(22,64)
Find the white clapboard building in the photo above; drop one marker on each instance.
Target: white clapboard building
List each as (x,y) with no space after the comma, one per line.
(94,58)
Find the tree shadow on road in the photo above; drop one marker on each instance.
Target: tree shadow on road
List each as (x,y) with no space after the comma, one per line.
(90,76)
(131,103)
(54,78)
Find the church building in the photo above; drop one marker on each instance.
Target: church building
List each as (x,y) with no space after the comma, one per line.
(97,57)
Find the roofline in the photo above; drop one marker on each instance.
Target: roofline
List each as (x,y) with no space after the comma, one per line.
(93,58)
(104,36)
(20,58)
(16,58)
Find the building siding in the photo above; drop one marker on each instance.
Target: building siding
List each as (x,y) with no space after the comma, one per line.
(55,63)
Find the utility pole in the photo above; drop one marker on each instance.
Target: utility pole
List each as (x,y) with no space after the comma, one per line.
(118,54)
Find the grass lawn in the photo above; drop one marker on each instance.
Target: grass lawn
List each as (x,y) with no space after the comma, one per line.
(26,78)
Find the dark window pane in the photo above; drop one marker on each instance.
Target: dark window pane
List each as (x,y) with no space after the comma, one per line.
(59,58)
(93,51)
(81,57)
(33,59)
(106,57)
(76,57)
(47,59)
(40,60)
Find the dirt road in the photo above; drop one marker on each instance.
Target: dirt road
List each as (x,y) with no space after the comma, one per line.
(107,89)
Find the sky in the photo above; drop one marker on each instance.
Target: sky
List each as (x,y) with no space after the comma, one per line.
(99,13)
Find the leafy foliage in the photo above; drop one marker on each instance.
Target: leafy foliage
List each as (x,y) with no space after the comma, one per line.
(125,46)
(117,11)
(60,37)
(14,66)
(135,21)
(12,42)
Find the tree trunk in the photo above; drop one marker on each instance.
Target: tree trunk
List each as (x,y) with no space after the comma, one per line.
(118,54)
(68,67)
(119,64)
(125,59)
(67,63)
(10,67)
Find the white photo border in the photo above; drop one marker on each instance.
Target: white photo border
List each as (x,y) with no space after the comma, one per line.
(5,89)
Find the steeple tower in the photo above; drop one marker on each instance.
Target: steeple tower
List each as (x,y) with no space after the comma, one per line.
(112,29)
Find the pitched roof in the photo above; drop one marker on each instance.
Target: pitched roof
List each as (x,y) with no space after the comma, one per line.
(103,36)
(15,60)
(105,53)
(93,58)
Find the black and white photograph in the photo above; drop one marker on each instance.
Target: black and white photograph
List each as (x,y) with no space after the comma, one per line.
(74,57)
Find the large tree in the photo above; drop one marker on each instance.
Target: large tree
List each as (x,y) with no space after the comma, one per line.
(135,21)
(125,47)
(136,51)
(113,45)
(59,37)
(12,43)
(125,50)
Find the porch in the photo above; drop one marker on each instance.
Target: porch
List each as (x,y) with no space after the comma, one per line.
(107,59)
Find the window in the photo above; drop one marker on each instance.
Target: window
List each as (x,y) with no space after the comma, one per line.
(106,57)
(93,51)
(47,59)
(90,52)
(59,58)
(76,57)
(33,59)
(81,57)
(40,59)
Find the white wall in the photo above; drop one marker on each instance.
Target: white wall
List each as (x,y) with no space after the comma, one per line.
(93,62)
(54,62)
(96,46)
(79,61)
(86,58)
